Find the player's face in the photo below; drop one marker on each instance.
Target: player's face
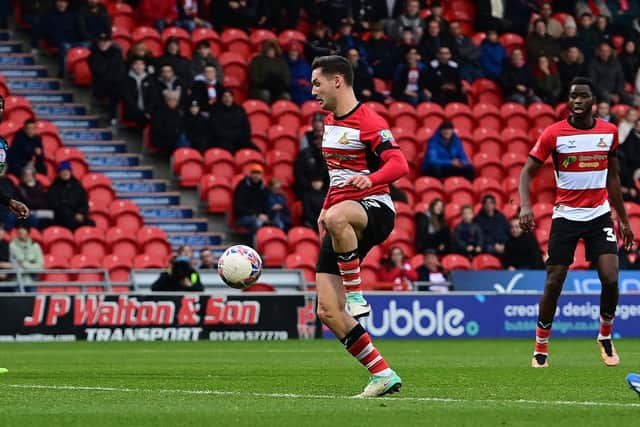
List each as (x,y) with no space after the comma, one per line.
(323,89)
(580,100)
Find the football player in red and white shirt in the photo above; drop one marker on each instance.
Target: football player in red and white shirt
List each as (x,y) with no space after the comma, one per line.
(363,159)
(583,149)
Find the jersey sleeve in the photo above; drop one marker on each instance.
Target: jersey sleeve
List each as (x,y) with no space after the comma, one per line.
(544,146)
(614,145)
(378,136)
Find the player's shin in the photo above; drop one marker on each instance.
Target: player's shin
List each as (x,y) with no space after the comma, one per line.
(608,303)
(349,265)
(358,343)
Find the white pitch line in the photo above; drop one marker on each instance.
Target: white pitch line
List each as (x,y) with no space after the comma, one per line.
(323,396)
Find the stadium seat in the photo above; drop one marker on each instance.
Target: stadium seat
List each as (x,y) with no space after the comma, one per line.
(75,157)
(50,139)
(486,262)
(459,190)
(452,213)
(405,218)
(99,189)
(100,215)
(378,108)
(516,141)
(259,114)
(234,65)
(122,16)
(286,113)
(408,143)
(477,38)
(183,37)
(260,287)
(402,239)
(58,240)
(510,187)
(542,236)
(122,242)
(417,261)
(489,166)
(219,162)
(511,41)
(541,114)
(455,262)
(91,242)
(281,165)
(125,214)
(8,129)
(369,277)
(460,115)
(258,36)
(260,140)
(403,115)
(510,210)
(188,165)
(54,261)
(513,163)
(17,109)
(283,139)
(483,186)
(217,193)
(78,65)
(143,261)
(428,188)
(303,240)
(237,41)
(406,186)
(122,37)
(633,210)
(206,34)
(423,135)
(487,116)
(303,262)
(308,109)
(118,267)
(271,243)
(82,261)
(544,184)
(487,141)
(562,110)
(153,241)
(246,157)
(150,37)
(542,210)
(620,110)
(515,115)
(287,36)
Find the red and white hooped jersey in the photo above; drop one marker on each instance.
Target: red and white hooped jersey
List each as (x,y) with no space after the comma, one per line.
(581,160)
(351,145)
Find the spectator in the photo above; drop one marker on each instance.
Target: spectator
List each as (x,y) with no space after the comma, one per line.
(5,257)
(25,253)
(627,124)
(68,199)
(380,51)
(197,127)
(444,82)
(32,194)
(547,81)
(553,26)
(230,126)
(493,56)
(312,202)
(431,270)
(407,41)
(409,79)
(202,57)
(363,85)
(465,53)
(108,71)
(468,236)
(606,72)
(436,13)
(180,277)
(604,113)
(189,15)
(32,13)
(206,88)
(269,76)
(410,18)
(167,124)
(570,36)
(61,29)
(571,65)
(494,226)
(603,30)
(587,33)
(490,15)
(629,260)
(310,163)
(300,71)
(94,20)
(140,94)
(250,201)
(237,14)
(539,43)
(397,270)
(319,42)
(432,41)
(630,61)
(169,82)
(518,81)
(181,65)
(156,13)
(7,187)
(277,205)
(432,230)
(346,40)
(521,251)
(445,155)
(141,51)
(207,260)
(629,154)
(26,149)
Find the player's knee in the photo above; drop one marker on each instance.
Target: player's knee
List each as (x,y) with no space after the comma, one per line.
(327,313)
(609,281)
(335,220)
(553,285)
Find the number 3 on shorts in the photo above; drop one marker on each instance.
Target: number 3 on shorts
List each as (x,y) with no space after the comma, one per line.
(611,237)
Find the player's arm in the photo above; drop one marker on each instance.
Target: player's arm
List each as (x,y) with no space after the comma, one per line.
(19,209)
(530,169)
(615,195)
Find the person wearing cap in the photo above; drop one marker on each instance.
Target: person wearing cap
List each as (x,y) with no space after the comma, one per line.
(197,127)
(181,65)
(269,75)
(26,254)
(207,88)
(68,199)
(250,201)
(108,71)
(445,155)
(94,19)
(300,69)
(494,226)
(230,126)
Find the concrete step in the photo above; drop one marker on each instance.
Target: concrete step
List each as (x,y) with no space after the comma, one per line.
(147,199)
(140,172)
(98,147)
(140,186)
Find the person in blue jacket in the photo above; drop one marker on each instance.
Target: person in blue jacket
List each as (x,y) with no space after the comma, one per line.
(300,88)
(493,56)
(445,155)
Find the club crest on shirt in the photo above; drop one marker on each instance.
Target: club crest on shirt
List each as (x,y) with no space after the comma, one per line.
(385,135)
(344,139)
(602,143)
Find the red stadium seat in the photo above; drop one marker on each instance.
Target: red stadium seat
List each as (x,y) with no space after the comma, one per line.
(50,139)
(217,192)
(75,157)
(286,113)
(516,141)
(118,267)
(8,130)
(82,261)
(510,210)
(459,190)
(91,242)
(430,114)
(220,162)
(378,108)
(542,210)
(125,214)
(428,188)
(259,114)
(487,116)
(483,186)
(303,240)
(486,262)
(487,141)
(55,261)
(460,115)
(541,115)
(206,34)
(260,140)
(620,110)
(122,16)
(403,115)
(150,37)
(281,166)
(287,36)
(237,41)
(283,139)
(308,109)
(489,166)
(542,236)
(477,38)
(183,37)
(402,239)
(234,65)
(148,261)
(153,241)
(406,186)
(122,242)
(17,109)
(100,215)
(122,37)
(246,157)
(78,65)
(258,36)
(455,262)
(271,243)
(99,188)
(513,163)
(405,218)
(562,111)
(58,240)
(515,116)
(512,41)
(303,262)
(188,165)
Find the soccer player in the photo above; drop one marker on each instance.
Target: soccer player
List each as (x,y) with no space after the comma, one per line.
(362,158)
(583,149)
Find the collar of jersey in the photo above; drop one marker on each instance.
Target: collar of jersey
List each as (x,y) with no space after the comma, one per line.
(353,110)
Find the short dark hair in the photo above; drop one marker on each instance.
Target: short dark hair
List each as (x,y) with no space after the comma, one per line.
(334,64)
(29,122)
(584,81)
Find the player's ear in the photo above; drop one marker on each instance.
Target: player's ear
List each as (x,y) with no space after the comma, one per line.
(338,81)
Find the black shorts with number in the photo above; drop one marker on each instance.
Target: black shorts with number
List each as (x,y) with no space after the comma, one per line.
(598,235)
(380,223)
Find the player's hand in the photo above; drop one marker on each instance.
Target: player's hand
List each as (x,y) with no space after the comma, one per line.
(527,222)
(19,209)
(321,227)
(627,236)
(361,182)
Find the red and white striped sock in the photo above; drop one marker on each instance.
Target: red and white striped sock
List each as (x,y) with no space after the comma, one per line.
(349,265)
(358,343)
(542,340)
(606,326)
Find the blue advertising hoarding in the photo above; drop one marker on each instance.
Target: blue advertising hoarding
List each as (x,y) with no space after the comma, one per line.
(428,316)
(503,281)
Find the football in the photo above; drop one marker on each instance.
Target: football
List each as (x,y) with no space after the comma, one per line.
(240,266)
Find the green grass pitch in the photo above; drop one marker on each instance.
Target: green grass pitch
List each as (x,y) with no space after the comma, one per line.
(307,383)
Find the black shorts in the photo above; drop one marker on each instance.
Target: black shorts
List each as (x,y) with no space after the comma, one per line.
(380,222)
(598,235)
